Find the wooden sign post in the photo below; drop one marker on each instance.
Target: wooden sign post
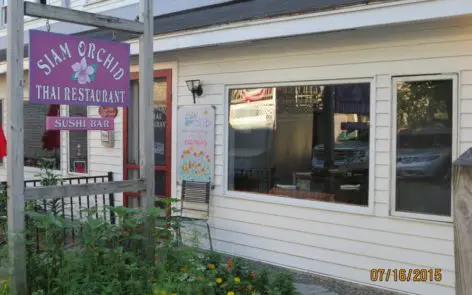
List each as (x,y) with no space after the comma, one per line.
(17,193)
(463,222)
(15,147)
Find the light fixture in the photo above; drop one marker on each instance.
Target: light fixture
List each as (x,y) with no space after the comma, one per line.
(195,87)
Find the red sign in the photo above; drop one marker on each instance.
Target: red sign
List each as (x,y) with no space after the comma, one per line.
(107,112)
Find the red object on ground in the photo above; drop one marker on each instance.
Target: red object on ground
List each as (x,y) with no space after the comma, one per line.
(52,138)
(3,144)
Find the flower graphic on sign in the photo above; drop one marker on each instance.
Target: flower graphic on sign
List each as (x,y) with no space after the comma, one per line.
(84,73)
(195,165)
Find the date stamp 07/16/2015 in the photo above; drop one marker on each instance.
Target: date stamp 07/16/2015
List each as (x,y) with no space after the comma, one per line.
(406,274)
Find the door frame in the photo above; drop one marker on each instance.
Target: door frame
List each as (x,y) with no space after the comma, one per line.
(167,167)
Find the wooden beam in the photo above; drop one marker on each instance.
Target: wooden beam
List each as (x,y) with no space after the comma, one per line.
(83,18)
(76,190)
(146,129)
(15,160)
(462,200)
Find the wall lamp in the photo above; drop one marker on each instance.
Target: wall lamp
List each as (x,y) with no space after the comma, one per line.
(195,87)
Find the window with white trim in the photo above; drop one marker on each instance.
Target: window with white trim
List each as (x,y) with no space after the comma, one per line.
(41,147)
(78,147)
(424,144)
(306,142)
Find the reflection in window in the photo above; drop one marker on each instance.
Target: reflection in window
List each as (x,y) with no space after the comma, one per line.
(42,147)
(424,141)
(78,148)
(159,120)
(308,142)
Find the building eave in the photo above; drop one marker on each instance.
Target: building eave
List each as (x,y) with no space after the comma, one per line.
(388,13)
(341,19)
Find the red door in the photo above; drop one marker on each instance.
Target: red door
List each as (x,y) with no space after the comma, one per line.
(162,110)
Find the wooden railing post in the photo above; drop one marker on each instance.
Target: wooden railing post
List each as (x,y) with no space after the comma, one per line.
(462,213)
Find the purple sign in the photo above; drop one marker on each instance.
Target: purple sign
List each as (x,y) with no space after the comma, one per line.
(79,123)
(76,70)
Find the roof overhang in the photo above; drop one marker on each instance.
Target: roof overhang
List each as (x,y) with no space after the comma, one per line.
(341,19)
(360,16)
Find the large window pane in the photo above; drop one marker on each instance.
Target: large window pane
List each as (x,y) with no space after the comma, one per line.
(308,142)
(78,148)
(42,147)
(424,146)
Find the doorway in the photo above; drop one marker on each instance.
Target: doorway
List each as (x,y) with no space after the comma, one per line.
(162,110)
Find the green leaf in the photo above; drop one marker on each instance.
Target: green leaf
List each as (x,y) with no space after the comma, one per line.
(57,222)
(95,68)
(95,223)
(73,77)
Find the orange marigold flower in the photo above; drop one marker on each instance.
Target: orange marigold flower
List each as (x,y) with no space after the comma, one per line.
(183,269)
(211,266)
(229,263)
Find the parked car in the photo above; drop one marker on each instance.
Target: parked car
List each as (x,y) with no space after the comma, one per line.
(425,153)
(351,152)
(422,153)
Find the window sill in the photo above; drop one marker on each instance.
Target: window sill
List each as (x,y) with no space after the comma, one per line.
(421,217)
(77,174)
(321,205)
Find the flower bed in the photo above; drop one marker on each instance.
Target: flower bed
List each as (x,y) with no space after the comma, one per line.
(109,259)
(210,274)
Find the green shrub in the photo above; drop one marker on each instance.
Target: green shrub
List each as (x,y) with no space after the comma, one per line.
(110,259)
(4,288)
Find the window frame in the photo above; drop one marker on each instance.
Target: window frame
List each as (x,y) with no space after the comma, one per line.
(393,154)
(281,200)
(67,146)
(32,169)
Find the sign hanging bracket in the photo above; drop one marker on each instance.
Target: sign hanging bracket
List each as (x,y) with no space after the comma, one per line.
(48,26)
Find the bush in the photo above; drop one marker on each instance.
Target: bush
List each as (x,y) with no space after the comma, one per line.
(110,259)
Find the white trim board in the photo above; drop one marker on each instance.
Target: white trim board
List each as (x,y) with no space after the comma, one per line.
(395,12)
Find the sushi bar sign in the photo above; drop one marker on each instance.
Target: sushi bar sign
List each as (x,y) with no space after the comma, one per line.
(74,70)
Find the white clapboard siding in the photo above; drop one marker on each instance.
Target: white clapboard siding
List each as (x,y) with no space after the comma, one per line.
(337,244)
